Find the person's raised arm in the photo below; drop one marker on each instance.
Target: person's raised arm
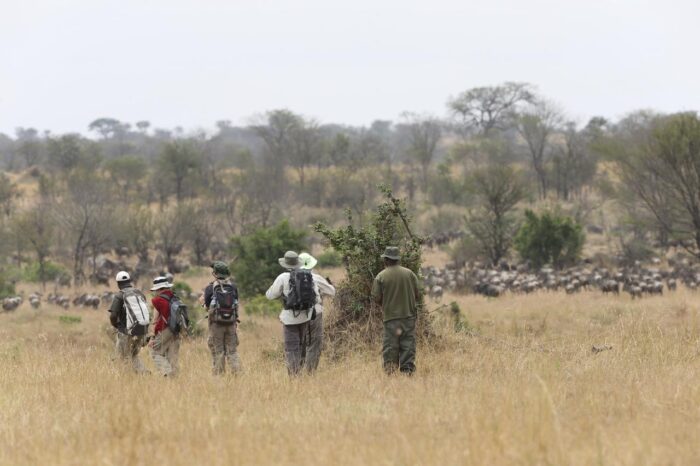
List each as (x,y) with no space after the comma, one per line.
(324,287)
(276,289)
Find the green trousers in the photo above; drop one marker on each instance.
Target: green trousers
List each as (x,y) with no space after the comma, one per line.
(399,349)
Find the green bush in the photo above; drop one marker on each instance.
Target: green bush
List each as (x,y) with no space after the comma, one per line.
(261,306)
(70,319)
(356,317)
(7,288)
(444,188)
(549,239)
(330,258)
(256,266)
(51,272)
(183,290)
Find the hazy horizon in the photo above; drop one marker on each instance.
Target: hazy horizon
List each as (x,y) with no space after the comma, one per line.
(190,63)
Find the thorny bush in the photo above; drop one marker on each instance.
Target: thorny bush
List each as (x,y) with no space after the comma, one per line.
(357,320)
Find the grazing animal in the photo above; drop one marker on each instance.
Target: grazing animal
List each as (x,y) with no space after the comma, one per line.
(436,293)
(10,304)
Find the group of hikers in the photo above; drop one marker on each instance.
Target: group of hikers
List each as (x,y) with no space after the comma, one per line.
(301,291)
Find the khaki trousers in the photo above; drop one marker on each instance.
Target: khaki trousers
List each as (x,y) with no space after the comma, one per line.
(165,352)
(127,349)
(223,344)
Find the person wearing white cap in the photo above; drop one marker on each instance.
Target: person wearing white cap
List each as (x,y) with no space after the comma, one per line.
(315,340)
(165,345)
(129,340)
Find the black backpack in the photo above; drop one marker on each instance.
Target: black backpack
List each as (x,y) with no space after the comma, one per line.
(302,293)
(178,318)
(224,303)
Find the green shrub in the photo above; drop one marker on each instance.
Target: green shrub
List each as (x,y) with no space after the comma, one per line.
(466,249)
(356,317)
(196,313)
(183,290)
(256,266)
(7,288)
(444,188)
(549,239)
(70,319)
(261,306)
(330,258)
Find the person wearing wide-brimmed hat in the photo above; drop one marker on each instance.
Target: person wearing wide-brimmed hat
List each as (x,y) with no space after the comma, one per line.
(325,288)
(295,322)
(165,345)
(223,335)
(396,289)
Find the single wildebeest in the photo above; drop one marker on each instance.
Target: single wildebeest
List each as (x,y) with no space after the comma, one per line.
(610,286)
(436,293)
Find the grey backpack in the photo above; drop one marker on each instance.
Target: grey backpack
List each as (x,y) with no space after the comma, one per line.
(136,310)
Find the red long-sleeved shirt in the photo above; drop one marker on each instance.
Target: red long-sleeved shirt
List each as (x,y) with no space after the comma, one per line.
(163,307)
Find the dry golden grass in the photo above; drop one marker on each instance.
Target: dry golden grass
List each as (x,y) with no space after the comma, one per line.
(522,388)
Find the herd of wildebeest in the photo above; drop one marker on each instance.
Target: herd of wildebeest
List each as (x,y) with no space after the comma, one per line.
(637,280)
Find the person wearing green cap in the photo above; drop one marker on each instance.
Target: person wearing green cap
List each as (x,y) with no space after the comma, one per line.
(315,339)
(221,301)
(396,289)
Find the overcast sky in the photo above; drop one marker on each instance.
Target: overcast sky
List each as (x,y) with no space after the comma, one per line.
(64,63)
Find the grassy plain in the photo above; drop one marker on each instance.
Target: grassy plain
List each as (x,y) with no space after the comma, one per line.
(522,386)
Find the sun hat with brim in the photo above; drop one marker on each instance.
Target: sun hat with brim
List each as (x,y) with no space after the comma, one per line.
(220,269)
(391,252)
(160,283)
(307,261)
(290,260)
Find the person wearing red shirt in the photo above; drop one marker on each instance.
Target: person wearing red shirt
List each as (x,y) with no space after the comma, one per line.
(165,345)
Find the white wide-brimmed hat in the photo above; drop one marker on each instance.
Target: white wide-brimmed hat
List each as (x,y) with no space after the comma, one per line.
(160,283)
(308,261)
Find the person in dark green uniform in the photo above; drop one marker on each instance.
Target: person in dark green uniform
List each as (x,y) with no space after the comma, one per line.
(396,289)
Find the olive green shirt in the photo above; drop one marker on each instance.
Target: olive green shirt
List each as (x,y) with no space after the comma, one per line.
(396,289)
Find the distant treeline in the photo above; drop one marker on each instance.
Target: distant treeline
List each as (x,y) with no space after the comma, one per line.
(138,189)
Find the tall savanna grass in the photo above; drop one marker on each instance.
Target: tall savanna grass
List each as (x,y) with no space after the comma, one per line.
(519,385)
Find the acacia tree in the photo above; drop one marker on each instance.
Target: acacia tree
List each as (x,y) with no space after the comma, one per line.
(488,108)
(536,125)
(659,161)
(140,232)
(276,132)
(498,189)
(37,227)
(201,230)
(9,193)
(80,213)
(422,136)
(573,163)
(180,159)
(171,232)
(105,127)
(126,173)
(29,146)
